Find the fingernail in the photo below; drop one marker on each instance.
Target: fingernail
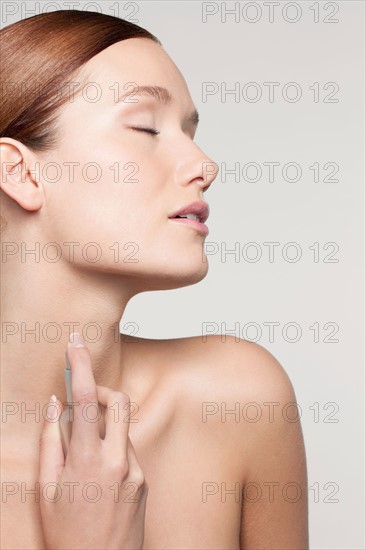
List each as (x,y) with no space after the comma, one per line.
(76,340)
(52,409)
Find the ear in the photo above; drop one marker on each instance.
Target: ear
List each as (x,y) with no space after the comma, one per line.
(19,174)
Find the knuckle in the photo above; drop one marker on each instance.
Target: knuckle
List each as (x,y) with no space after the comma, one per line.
(85,396)
(120,468)
(121,397)
(137,477)
(113,396)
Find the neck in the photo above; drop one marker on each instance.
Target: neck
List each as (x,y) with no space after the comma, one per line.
(42,304)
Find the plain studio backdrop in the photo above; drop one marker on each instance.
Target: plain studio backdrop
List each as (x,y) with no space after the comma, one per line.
(280,91)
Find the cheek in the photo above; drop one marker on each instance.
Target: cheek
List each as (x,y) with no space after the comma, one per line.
(110,193)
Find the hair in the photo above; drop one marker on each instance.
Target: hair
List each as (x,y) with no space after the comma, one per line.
(41,56)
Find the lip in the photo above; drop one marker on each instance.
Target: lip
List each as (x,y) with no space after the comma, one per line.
(200,227)
(201,209)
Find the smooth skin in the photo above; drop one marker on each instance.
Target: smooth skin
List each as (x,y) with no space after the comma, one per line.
(188,450)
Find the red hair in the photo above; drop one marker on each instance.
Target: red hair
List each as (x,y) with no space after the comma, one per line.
(40,56)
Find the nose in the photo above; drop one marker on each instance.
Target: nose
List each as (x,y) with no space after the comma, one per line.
(198,168)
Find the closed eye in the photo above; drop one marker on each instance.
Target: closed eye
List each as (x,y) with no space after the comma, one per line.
(152,131)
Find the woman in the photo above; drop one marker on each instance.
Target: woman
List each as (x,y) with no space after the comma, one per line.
(98,160)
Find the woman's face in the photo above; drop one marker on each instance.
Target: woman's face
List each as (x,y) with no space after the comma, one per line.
(117,185)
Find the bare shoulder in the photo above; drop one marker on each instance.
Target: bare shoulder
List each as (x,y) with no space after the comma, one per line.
(221,366)
(233,366)
(235,398)
(228,366)
(247,396)
(242,386)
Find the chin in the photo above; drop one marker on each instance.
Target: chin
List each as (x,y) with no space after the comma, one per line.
(190,277)
(180,276)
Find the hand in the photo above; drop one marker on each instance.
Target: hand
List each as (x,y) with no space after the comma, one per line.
(96,497)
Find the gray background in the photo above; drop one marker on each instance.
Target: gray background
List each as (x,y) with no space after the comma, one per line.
(326,362)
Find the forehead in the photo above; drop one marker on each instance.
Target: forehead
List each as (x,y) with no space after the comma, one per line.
(135,62)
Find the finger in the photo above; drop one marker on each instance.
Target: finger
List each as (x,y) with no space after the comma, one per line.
(132,457)
(85,431)
(51,457)
(136,473)
(116,419)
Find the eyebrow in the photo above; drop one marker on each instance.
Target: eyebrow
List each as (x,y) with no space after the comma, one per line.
(160,94)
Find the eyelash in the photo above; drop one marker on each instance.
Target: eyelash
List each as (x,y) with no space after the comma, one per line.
(151,131)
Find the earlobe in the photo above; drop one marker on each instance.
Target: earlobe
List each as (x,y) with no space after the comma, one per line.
(18,175)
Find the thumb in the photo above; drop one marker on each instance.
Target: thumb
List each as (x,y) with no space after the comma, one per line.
(51,456)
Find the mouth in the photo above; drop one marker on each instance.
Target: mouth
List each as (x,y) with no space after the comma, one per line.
(189,222)
(193,215)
